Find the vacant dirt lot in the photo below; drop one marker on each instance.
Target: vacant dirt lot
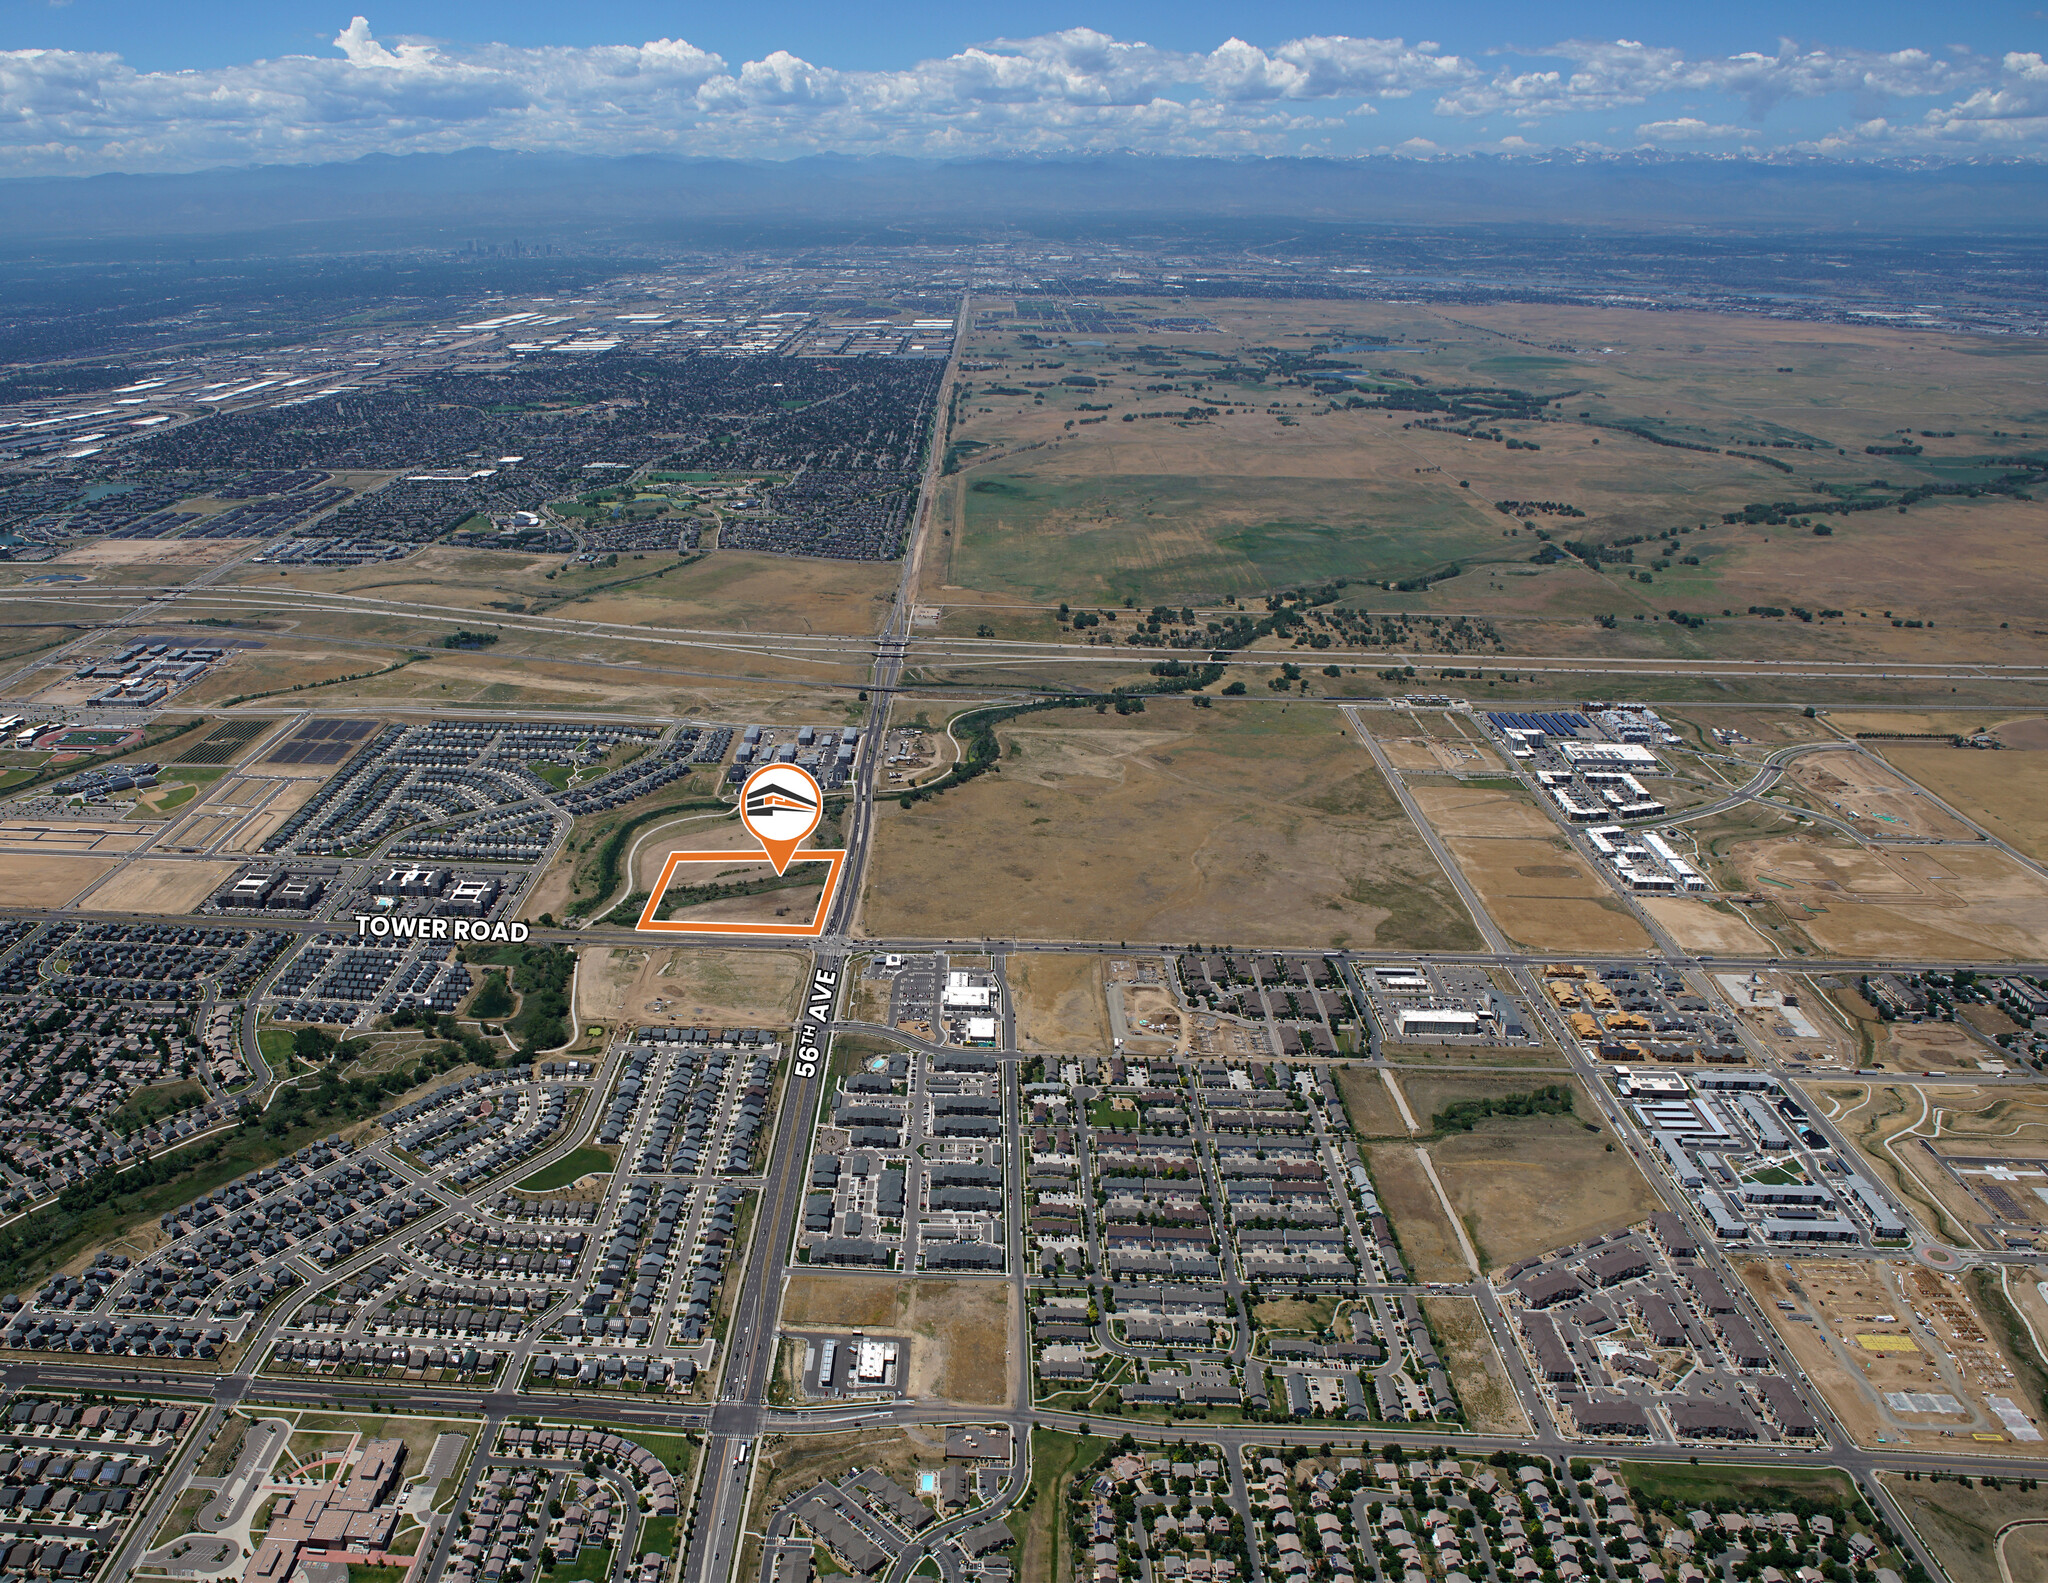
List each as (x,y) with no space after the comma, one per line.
(689,984)
(1483,811)
(1059,1002)
(1857,1347)
(161,885)
(1700,926)
(1956,902)
(1475,1366)
(1259,823)
(1861,788)
(51,881)
(959,1331)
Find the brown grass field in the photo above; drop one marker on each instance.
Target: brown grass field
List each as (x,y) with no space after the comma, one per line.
(2005,792)
(1427,1241)
(1953,902)
(1846,1300)
(1263,824)
(1059,1002)
(1523,1185)
(1475,1366)
(1967,1528)
(1543,894)
(1366,1101)
(692,984)
(959,1330)
(165,885)
(1168,509)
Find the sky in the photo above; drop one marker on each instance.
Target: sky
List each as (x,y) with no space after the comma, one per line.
(100,85)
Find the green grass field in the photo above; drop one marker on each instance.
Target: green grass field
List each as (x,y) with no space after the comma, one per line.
(1751,1486)
(586,1161)
(1094,540)
(1042,1552)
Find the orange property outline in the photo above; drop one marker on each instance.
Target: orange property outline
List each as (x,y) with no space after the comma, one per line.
(649,924)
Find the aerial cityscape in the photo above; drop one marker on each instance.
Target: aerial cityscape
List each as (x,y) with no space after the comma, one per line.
(1154,847)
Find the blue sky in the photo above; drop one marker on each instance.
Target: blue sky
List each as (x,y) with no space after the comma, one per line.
(94,85)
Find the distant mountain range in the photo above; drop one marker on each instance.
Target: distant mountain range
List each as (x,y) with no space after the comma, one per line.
(442,199)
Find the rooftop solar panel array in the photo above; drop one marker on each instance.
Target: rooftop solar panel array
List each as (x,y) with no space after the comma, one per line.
(1551,725)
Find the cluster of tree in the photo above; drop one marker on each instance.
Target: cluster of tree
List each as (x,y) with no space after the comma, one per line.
(1461,1115)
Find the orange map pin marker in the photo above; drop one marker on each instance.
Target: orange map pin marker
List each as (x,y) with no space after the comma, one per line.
(780,805)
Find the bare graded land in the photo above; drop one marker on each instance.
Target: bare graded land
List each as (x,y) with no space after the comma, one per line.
(1542,893)
(2005,792)
(1701,926)
(1950,902)
(1856,1345)
(727,590)
(1861,788)
(1200,468)
(1482,812)
(165,885)
(689,985)
(1969,1529)
(1969,1159)
(959,1330)
(1059,1002)
(1477,1370)
(1428,1243)
(1264,824)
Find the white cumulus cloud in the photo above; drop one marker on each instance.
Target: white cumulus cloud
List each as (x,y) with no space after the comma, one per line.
(1691,129)
(1074,89)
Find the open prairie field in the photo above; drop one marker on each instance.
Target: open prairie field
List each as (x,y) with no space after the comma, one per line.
(1059,1002)
(1284,444)
(1265,824)
(2004,792)
(724,589)
(1952,902)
